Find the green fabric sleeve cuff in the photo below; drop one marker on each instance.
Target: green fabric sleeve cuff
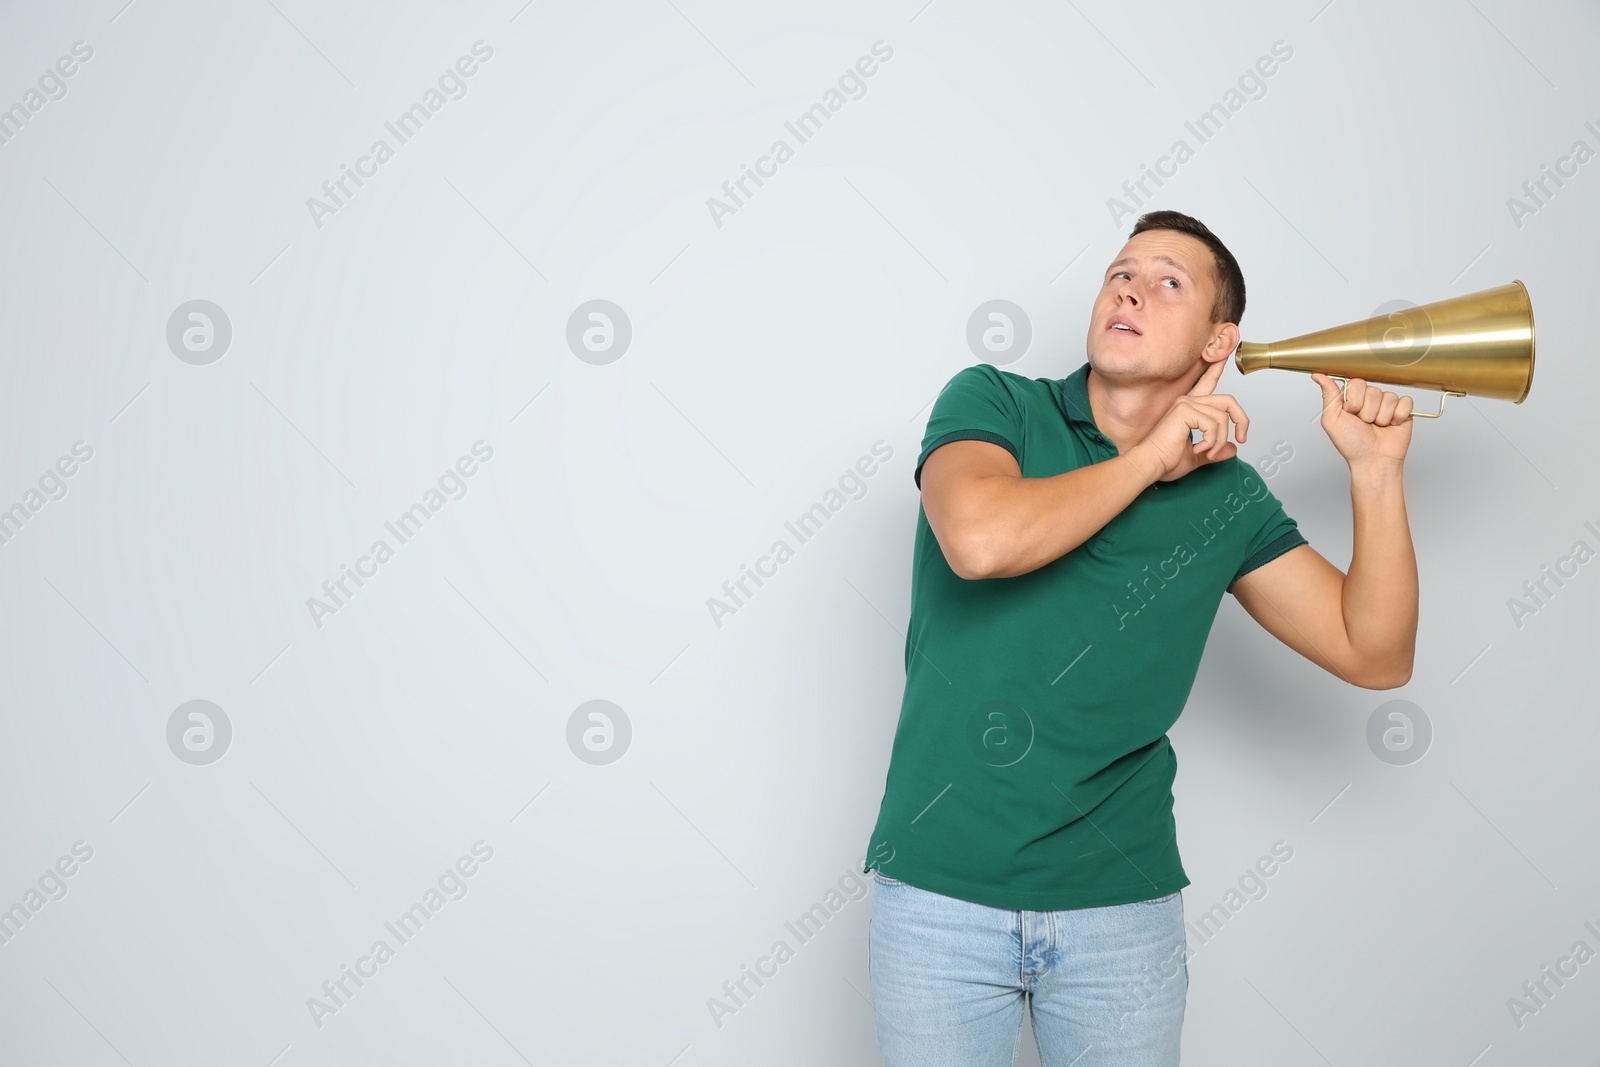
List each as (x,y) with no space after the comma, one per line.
(964,435)
(1292,539)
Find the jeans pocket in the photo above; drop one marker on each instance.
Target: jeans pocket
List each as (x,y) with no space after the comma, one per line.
(1161,900)
(883,879)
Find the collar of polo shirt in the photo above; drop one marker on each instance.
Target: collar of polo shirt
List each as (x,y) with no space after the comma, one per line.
(1075,396)
(1075,402)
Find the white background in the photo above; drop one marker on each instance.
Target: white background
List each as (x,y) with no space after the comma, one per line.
(768,354)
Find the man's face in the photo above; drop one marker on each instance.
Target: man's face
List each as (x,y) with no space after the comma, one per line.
(1163,283)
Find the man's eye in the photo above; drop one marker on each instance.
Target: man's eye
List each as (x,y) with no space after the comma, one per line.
(1176,283)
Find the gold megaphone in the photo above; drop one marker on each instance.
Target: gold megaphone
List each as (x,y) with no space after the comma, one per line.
(1480,344)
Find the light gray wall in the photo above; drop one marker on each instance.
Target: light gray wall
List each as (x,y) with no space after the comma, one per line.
(372,345)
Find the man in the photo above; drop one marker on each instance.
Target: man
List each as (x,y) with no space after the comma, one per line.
(1072,549)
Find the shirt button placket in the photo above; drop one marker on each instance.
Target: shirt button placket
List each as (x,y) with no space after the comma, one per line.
(1107,451)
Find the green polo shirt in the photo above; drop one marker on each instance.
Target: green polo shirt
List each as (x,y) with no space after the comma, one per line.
(1031,767)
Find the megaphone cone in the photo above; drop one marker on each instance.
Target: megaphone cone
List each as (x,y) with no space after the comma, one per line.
(1480,344)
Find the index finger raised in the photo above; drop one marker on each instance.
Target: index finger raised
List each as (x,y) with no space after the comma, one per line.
(1208,380)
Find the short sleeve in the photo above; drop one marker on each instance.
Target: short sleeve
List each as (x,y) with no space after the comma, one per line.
(975,405)
(1277,533)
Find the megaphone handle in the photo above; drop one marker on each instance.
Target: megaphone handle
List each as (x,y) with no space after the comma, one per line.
(1435,414)
(1415,414)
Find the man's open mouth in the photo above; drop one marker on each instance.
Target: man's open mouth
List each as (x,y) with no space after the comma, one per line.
(1122,325)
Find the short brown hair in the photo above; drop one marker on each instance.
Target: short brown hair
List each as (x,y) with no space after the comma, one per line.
(1230,279)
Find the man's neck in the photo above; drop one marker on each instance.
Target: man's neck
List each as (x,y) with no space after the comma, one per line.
(1127,413)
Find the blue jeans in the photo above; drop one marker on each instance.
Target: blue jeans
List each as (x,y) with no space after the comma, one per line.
(1107,985)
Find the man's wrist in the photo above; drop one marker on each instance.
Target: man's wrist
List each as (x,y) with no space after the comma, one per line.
(1148,468)
(1377,471)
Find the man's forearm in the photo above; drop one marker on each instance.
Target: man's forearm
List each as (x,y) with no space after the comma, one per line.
(1380,589)
(1020,524)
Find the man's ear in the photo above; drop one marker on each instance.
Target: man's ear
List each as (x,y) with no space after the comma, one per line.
(1224,339)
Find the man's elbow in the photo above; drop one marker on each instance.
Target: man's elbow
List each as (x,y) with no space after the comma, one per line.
(968,563)
(968,555)
(1383,676)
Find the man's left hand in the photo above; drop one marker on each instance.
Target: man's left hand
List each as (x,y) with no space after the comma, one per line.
(1368,424)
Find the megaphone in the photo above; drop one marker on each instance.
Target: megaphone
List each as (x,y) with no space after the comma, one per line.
(1480,344)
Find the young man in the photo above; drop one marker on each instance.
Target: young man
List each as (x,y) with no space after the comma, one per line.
(1071,551)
